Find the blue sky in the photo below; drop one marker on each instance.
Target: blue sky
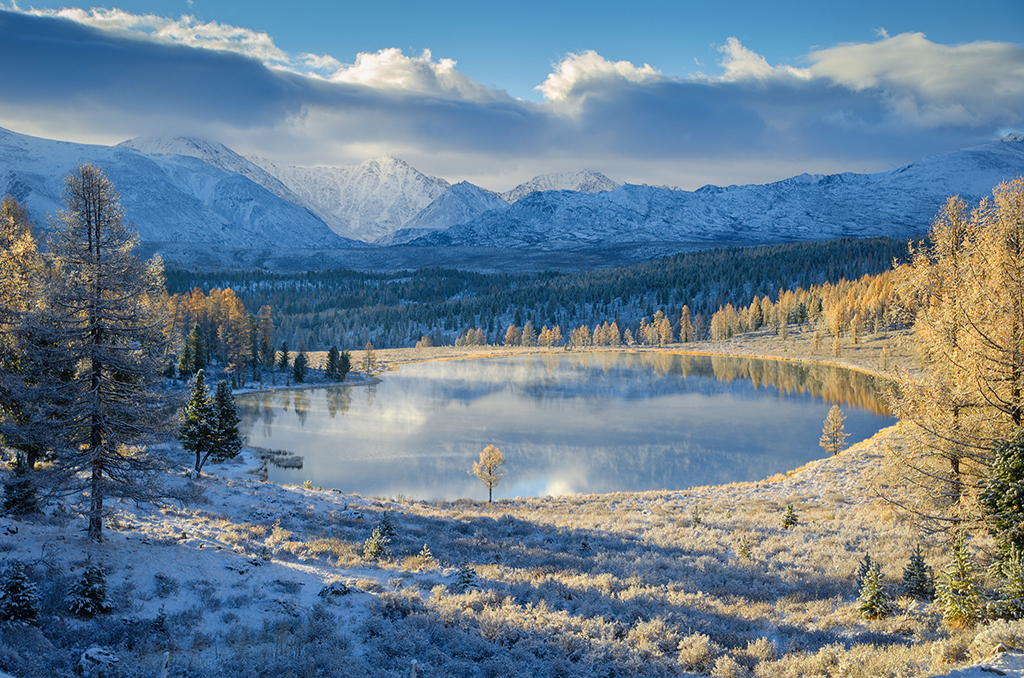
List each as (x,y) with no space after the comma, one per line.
(676,93)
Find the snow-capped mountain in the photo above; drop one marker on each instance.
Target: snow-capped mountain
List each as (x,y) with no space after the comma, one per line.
(214,154)
(461,203)
(366,202)
(897,203)
(168,198)
(580,182)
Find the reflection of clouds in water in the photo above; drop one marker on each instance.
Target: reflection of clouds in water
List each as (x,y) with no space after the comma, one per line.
(567,422)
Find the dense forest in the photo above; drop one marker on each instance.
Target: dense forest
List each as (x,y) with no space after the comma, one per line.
(345,308)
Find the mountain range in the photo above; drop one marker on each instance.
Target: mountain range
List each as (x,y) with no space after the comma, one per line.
(193,199)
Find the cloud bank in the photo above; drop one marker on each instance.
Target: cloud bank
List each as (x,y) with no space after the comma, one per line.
(106,75)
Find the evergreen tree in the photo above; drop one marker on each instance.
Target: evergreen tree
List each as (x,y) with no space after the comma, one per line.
(198,433)
(19,597)
(333,364)
(265,330)
(387,526)
(958,593)
(196,344)
(227,439)
(20,496)
(376,547)
(1003,496)
(88,596)
(186,363)
(919,578)
(789,519)
(862,570)
(1010,604)
(344,365)
(285,358)
(299,368)
(833,439)
(466,578)
(873,602)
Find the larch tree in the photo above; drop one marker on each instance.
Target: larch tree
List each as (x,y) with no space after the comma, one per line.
(105,319)
(833,438)
(963,292)
(487,469)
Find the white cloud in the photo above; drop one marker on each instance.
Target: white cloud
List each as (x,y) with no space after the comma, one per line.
(931,85)
(741,63)
(576,72)
(391,69)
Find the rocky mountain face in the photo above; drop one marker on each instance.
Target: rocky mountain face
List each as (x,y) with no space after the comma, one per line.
(580,182)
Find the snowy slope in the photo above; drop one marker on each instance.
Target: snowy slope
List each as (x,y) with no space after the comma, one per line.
(461,203)
(168,198)
(580,182)
(898,203)
(366,202)
(214,154)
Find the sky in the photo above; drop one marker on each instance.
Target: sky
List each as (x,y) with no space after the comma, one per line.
(672,93)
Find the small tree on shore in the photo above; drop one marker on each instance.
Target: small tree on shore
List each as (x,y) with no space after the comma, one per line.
(369,359)
(487,469)
(833,439)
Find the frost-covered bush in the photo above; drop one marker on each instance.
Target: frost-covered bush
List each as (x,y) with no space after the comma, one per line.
(697,653)
(1009,634)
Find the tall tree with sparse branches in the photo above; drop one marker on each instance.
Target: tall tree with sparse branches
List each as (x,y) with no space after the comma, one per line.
(106,319)
(963,292)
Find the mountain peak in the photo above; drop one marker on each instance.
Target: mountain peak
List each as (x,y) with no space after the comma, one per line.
(584,181)
(1017,137)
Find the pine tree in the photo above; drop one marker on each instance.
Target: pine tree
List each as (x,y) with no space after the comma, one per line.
(20,496)
(790,518)
(919,578)
(873,602)
(466,578)
(227,440)
(333,364)
(1011,593)
(387,526)
(299,368)
(198,433)
(376,547)
(196,343)
(1003,496)
(88,596)
(285,358)
(862,570)
(19,597)
(958,593)
(344,365)
(833,439)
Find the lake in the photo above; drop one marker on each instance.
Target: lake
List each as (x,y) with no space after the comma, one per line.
(566,422)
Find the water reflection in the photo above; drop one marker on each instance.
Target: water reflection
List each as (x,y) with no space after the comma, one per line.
(566,422)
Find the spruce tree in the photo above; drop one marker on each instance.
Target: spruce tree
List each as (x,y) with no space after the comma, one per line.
(789,519)
(466,577)
(376,547)
(285,359)
(19,598)
(1003,496)
(387,526)
(299,368)
(333,364)
(20,496)
(919,578)
(958,593)
(873,602)
(227,440)
(88,596)
(344,365)
(196,346)
(198,433)
(862,571)
(1011,593)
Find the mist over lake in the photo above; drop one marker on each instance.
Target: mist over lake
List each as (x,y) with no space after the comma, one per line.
(565,422)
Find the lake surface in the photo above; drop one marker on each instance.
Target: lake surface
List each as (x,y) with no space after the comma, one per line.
(566,422)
